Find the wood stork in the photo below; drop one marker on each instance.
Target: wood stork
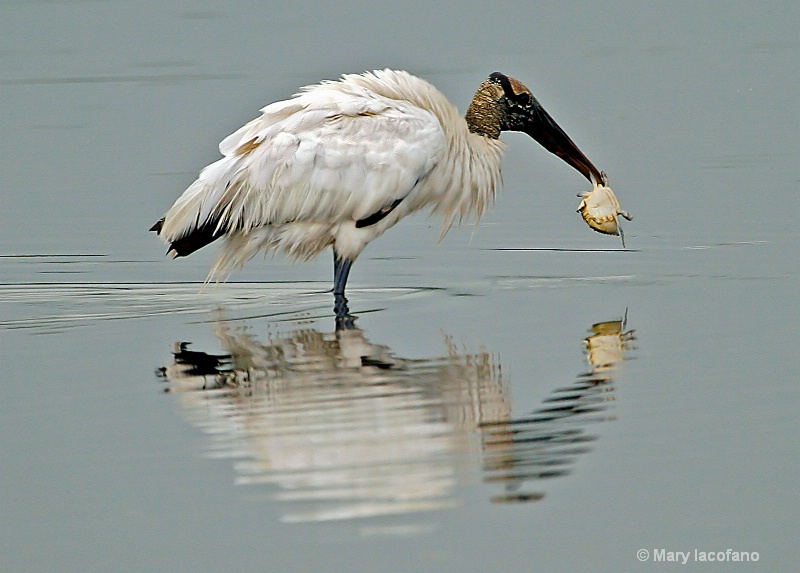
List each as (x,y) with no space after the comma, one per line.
(342,161)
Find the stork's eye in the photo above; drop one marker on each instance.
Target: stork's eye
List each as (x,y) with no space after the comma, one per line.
(523,99)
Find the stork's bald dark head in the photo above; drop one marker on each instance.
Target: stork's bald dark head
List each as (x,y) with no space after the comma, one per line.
(503,103)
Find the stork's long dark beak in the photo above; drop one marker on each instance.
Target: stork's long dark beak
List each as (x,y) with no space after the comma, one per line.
(544,129)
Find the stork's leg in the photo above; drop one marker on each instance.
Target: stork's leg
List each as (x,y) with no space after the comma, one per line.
(341,269)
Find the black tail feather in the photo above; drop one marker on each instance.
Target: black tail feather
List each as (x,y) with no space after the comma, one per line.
(195,240)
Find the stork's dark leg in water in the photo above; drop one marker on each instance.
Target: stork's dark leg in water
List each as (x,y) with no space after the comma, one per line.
(341,269)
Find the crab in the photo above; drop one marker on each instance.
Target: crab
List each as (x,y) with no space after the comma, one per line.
(601,210)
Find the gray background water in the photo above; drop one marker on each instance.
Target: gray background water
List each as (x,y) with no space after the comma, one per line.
(109,109)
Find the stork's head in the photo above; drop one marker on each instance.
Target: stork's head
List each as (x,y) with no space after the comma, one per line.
(503,103)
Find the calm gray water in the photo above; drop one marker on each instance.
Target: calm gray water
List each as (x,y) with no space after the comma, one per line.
(524,396)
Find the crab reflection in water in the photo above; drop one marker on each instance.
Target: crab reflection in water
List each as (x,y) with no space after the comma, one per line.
(346,429)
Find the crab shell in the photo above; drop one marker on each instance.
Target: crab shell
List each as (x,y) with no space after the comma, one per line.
(600,209)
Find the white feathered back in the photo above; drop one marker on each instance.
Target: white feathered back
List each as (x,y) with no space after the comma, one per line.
(301,175)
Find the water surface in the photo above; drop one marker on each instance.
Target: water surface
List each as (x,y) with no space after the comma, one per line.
(525,395)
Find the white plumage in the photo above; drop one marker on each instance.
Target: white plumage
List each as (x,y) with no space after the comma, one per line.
(343,161)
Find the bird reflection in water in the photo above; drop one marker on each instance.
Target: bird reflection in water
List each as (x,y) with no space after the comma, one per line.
(345,429)
(546,443)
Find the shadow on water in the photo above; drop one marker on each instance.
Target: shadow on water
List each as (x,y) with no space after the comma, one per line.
(341,428)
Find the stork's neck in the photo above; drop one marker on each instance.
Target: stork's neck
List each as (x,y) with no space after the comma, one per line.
(484,114)
(470,174)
